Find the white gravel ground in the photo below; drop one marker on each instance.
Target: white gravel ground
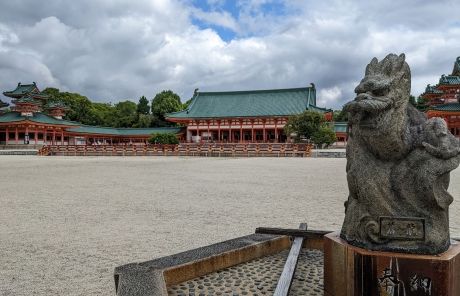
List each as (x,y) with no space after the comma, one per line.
(66,222)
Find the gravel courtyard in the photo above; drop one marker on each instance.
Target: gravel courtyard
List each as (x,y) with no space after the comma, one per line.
(66,222)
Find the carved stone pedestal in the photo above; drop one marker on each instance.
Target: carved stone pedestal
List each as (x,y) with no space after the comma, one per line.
(352,271)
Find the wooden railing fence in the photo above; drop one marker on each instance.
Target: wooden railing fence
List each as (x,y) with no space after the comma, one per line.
(185,149)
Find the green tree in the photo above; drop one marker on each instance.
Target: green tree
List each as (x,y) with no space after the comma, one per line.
(422,104)
(163,103)
(79,106)
(304,125)
(324,135)
(163,138)
(186,104)
(100,114)
(144,120)
(125,114)
(143,106)
(340,115)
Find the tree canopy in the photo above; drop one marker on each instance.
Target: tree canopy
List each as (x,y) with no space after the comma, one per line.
(122,114)
(143,106)
(310,126)
(163,103)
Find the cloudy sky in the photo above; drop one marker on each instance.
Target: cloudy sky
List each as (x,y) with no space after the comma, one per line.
(112,50)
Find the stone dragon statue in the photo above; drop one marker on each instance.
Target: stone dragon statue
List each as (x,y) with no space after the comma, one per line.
(398,165)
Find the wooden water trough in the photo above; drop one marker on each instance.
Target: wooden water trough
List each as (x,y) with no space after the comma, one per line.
(263,263)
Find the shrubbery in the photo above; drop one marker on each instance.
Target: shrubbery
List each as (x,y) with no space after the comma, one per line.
(166,138)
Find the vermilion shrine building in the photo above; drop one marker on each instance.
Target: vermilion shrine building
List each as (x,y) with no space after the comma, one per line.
(34,120)
(237,116)
(246,116)
(444,99)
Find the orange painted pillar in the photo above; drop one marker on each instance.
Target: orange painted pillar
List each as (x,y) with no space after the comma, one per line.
(218,130)
(230,131)
(276,131)
(252,130)
(53,142)
(241,131)
(45,136)
(62,137)
(36,136)
(208,131)
(7,136)
(264,132)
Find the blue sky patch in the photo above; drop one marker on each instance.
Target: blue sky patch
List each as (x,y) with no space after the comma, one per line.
(234,8)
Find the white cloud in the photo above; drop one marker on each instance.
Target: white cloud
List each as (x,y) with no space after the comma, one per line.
(328,96)
(113,50)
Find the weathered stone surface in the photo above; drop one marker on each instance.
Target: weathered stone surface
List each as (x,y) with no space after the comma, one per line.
(398,165)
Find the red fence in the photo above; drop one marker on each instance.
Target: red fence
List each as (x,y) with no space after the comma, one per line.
(217,150)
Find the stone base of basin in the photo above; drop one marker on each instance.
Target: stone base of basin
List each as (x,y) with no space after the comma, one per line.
(352,271)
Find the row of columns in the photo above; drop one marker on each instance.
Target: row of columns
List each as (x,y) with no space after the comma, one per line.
(219,130)
(35,132)
(54,137)
(231,134)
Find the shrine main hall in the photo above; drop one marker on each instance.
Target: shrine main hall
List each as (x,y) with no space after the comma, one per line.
(255,116)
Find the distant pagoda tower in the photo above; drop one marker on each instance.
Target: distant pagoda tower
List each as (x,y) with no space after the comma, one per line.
(56,109)
(27,99)
(26,105)
(443,99)
(447,91)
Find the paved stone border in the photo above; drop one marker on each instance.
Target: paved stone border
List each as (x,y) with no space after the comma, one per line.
(19,152)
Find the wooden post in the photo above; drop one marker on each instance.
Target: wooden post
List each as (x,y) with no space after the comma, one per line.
(53,142)
(252,130)
(62,137)
(230,131)
(16,135)
(197,129)
(7,137)
(218,131)
(264,132)
(241,130)
(208,130)
(276,131)
(36,136)
(45,136)
(285,281)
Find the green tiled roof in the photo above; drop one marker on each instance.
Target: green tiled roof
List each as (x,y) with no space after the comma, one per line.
(123,131)
(432,90)
(37,117)
(340,127)
(85,129)
(452,107)
(21,89)
(253,103)
(24,89)
(3,104)
(26,100)
(449,79)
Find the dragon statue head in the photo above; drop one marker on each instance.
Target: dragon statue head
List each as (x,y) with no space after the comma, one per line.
(378,112)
